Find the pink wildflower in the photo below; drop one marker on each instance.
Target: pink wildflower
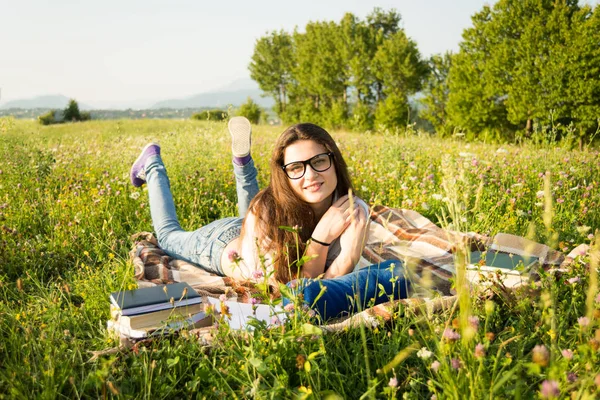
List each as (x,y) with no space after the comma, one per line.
(254,301)
(571,377)
(566,353)
(450,334)
(436,365)
(573,280)
(455,362)
(233,256)
(275,320)
(474,322)
(289,307)
(583,321)
(258,274)
(549,389)
(393,383)
(479,351)
(223,297)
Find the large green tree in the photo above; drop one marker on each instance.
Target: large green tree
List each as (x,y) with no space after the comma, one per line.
(271,66)
(525,62)
(400,71)
(345,73)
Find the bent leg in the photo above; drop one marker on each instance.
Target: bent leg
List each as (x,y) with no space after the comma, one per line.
(246,185)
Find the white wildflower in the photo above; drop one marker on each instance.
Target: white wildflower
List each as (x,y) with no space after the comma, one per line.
(424,353)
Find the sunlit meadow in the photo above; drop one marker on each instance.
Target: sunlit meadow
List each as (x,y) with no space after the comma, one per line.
(67,212)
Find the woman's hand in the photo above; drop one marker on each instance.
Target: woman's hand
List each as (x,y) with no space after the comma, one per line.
(337,218)
(352,243)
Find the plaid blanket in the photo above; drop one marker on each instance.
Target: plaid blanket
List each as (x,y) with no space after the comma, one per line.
(428,253)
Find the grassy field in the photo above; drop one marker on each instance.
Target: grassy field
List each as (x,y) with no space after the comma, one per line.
(67,212)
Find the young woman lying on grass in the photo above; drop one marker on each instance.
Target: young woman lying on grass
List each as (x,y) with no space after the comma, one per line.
(309,191)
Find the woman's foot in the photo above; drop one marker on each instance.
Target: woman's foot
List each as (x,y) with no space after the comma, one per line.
(241,136)
(138,169)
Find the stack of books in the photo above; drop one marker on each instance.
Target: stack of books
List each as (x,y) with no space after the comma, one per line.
(158,310)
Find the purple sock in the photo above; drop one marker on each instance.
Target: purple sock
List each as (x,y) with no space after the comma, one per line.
(241,161)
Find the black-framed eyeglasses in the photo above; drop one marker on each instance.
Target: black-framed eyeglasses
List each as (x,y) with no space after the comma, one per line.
(297,169)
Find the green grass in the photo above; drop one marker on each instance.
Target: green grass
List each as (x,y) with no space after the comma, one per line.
(67,211)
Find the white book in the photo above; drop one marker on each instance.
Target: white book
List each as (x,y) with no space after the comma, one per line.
(242,313)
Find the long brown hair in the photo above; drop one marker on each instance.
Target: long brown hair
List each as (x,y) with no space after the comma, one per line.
(278,205)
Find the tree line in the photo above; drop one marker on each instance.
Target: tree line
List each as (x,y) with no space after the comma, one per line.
(524,67)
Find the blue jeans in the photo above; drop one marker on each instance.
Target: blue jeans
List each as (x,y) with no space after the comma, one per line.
(355,291)
(202,247)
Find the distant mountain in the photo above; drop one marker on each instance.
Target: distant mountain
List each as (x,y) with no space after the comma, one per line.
(234,93)
(217,99)
(48,101)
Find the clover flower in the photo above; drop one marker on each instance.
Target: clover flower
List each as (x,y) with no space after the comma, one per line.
(450,334)
(573,280)
(258,274)
(540,355)
(455,363)
(566,353)
(474,322)
(583,321)
(549,389)
(393,383)
(436,365)
(233,256)
(479,351)
(289,307)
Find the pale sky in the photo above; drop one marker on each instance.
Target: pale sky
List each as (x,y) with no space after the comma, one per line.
(130,50)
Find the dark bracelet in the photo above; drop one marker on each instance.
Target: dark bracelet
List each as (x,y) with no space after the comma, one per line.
(321,243)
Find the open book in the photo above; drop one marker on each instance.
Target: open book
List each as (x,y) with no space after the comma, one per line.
(510,266)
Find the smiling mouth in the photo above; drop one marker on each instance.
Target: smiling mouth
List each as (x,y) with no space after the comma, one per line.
(314,187)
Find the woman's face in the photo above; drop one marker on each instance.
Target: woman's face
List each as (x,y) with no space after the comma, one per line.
(315,188)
